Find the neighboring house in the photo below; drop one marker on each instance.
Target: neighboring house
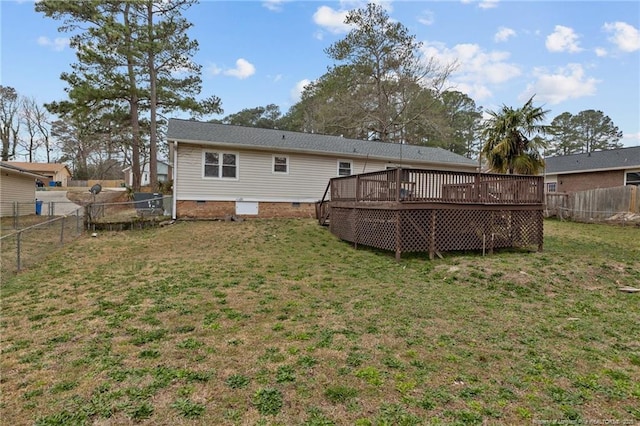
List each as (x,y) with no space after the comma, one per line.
(163,174)
(17,189)
(53,172)
(598,169)
(222,170)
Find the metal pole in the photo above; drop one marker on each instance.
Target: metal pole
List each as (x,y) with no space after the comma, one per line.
(15,215)
(62,230)
(18,250)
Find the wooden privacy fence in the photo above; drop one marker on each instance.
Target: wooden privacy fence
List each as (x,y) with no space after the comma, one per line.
(416,210)
(594,204)
(114,183)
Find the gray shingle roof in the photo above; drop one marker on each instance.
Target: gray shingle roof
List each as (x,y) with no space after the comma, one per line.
(252,137)
(623,158)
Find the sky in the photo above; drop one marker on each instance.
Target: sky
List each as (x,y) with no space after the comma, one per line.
(572,55)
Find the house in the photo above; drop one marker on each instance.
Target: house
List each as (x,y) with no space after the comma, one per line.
(164,174)
(222,170)
(52,172)
(17,189)
(597,169)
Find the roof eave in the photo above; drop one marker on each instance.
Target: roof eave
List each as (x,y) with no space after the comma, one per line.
(316,152)
(601,169)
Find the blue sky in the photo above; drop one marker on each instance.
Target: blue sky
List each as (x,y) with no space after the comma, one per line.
(573,55)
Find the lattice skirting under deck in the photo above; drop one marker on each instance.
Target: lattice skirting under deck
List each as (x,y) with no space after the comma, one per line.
(439,230)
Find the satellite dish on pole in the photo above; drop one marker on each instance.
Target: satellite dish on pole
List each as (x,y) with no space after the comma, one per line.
(95,189)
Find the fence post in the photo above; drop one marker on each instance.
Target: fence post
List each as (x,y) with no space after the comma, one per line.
(62,230)
(77,221)
(18,250)
(15,215)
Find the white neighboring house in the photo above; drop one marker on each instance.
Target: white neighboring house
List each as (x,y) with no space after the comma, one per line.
(163,174)
(221,170)
(17,189)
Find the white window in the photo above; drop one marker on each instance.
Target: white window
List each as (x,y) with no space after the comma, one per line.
(280,164)
(551,186)
(344,168)
(633,178)
(221,165)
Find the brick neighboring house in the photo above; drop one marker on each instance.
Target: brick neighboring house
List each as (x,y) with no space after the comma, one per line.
(221,170)
(53,172)
(598,169)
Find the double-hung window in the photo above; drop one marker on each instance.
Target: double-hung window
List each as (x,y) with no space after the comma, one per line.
(221,165)
(344,168)
(633,178)
(280,164)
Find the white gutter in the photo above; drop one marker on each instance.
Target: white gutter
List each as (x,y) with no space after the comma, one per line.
(174,189)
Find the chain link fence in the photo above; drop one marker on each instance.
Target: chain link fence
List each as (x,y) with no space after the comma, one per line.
(32,238)
(35,230)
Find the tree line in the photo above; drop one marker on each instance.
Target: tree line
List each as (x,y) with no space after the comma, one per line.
(134,67)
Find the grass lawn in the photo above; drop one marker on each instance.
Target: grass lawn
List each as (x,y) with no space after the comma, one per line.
(279,323)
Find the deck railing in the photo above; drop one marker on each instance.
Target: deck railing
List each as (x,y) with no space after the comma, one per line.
(436,186)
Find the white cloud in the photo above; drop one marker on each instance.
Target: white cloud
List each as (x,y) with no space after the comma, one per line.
(601,51)
(331,20)
(58,44)
(296,92)
(274,5)
(626,37)
(565,83)
(483,4)
(214,69)
(631,139)
(427,17)
(488,4)
(477,69)
(242,70)
(503,34)
(563,39)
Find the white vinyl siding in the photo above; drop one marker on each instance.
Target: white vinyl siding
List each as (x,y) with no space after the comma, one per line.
(307,179)
(20,188)
(306,182)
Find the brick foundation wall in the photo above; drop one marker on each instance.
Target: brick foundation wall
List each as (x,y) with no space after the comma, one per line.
(221,209)
(584,181)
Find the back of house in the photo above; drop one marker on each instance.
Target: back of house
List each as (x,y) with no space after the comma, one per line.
(221,170)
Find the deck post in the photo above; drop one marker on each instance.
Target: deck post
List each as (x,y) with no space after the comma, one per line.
(432,239)
(398,237)
(398,173)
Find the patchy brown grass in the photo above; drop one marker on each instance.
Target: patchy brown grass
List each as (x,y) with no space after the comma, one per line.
(277,322)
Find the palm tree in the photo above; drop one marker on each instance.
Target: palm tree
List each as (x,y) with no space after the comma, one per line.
(512,142)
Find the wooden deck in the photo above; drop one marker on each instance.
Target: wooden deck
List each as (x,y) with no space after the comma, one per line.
(416,210)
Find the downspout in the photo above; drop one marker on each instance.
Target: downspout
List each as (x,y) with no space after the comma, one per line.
(174,187)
